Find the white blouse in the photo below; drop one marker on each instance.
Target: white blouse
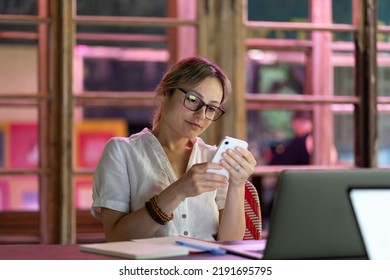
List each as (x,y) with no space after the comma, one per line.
(132,170)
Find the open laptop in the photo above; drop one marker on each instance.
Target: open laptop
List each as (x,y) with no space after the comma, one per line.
(312,217)
(371,206)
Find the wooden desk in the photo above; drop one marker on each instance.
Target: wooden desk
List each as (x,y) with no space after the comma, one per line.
(72,252)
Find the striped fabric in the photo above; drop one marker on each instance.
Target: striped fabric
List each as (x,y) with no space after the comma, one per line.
(252,213)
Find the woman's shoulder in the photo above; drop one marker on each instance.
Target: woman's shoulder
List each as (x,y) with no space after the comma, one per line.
(133,140)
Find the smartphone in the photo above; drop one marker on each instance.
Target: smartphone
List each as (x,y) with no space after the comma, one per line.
(226,143)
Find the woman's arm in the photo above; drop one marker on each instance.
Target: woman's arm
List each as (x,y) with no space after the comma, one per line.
(139,224)
(232,217)
(240,163)
(120,226)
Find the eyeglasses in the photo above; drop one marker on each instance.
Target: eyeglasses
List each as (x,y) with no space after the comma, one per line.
(194,103)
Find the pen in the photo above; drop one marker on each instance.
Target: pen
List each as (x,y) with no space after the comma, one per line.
(215,251)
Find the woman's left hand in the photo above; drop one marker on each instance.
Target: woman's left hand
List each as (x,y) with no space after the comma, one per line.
(240,163)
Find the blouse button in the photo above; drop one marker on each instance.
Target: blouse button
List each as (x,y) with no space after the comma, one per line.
(185,232)
(184,216)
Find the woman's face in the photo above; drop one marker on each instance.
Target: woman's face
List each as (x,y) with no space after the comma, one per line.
(184,122)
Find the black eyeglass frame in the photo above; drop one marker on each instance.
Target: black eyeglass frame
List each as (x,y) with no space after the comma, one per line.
(202,104)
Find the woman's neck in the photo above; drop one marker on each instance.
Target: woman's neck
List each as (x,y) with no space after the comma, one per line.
(173,144)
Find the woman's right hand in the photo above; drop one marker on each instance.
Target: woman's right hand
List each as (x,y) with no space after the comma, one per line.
(197,180)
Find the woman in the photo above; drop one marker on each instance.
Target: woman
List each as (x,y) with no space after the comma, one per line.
(155,183)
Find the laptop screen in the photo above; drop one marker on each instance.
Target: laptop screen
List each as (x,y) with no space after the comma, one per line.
(371,207)
(312,217)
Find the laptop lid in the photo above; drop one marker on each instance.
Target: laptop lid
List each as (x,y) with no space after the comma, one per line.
(371,206)
(312,218)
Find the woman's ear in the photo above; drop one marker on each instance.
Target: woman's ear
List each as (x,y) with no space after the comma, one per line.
(166,95)
(160,98)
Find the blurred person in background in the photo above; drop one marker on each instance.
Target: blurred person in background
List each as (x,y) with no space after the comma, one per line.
(294,151)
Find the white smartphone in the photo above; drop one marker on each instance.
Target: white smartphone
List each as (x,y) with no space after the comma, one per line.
(226,143)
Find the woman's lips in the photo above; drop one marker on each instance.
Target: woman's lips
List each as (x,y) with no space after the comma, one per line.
(194,125)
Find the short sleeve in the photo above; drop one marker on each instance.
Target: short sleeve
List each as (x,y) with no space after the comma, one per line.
(111,187)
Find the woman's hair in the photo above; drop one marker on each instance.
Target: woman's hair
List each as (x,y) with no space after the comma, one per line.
(188,73)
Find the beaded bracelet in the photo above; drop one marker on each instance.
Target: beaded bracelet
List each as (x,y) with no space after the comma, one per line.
(156,212)
(152,213)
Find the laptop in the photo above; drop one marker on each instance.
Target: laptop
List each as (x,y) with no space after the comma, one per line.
(312,217)
(371,206)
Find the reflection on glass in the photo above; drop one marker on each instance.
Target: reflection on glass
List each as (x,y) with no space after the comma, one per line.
(134,8)
(124,36)
(20,33)
(384,139)
(122,70)
(344,84)
(21,72)
(384,77)
(383,16)
(26,37)
(342,11)
(265,10)
(276,72)
(17,7)
(343,129)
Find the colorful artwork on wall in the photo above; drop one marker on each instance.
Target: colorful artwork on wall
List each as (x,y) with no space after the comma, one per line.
(19,149)
(4,194)
(2,149)
(83,192)
(24,195)
(3,144)
(92,136)
(23,145)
